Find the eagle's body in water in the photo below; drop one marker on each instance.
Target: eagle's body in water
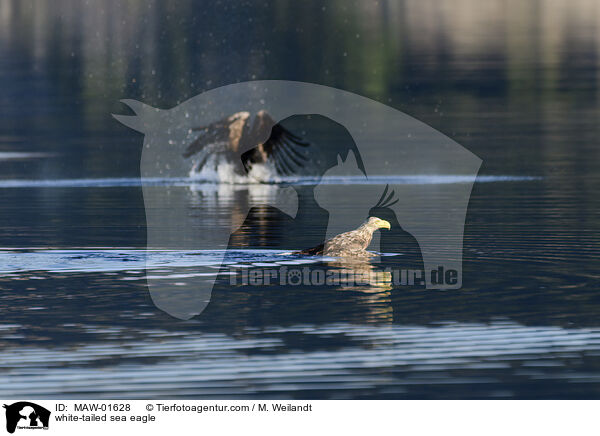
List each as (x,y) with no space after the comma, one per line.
(244,144)
(351,244)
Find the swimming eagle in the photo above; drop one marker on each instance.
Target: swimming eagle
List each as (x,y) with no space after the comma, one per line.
(234,137)
(349,244)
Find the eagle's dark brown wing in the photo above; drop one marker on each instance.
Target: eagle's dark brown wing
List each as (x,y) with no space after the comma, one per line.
(288,152)
(314,251)
(224,134)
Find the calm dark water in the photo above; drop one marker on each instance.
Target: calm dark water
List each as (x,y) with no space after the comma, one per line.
(517,84)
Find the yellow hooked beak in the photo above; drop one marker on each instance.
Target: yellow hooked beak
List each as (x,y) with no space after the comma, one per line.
(383,224)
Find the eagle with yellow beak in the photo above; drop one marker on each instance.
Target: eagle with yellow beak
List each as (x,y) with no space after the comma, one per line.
(349,244)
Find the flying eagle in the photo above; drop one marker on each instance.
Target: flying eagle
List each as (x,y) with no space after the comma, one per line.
(235,135)
(349,244)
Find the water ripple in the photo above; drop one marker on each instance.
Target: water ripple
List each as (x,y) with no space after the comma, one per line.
(397,357)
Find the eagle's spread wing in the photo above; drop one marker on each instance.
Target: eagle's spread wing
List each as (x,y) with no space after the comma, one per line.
(222,135)
(288,152)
